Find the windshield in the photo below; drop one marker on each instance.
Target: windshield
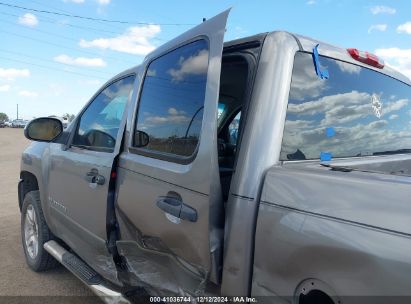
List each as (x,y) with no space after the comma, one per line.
(356,112)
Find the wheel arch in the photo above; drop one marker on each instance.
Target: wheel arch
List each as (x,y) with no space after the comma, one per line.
(312,290)
(28,182)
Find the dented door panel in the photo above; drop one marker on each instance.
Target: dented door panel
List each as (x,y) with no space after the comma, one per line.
(137,198)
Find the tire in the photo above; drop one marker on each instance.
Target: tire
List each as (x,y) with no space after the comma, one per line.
(34,233)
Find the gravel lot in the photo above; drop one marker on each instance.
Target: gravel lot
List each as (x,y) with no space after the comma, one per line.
(18,284)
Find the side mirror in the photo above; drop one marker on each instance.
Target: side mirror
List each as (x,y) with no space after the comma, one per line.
(141,139)
(43,129)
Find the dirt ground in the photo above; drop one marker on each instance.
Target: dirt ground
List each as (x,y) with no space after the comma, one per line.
(18,284)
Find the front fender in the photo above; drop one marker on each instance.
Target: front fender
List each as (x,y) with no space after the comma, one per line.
(35,161)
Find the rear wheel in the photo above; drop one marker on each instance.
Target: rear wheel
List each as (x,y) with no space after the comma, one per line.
(34,233)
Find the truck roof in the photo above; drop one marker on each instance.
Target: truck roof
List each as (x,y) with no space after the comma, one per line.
(306,44)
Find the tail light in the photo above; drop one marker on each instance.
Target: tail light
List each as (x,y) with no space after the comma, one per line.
(367,58)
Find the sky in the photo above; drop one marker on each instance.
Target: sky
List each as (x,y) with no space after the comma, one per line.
(52,63)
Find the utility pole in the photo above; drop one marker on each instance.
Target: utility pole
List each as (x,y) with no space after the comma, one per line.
(17,111)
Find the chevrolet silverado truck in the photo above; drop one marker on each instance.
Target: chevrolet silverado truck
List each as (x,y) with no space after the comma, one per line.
(274,168)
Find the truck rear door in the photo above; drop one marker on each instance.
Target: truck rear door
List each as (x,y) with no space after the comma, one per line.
(169,202)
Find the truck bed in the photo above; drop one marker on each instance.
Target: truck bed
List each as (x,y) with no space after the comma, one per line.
(346,227)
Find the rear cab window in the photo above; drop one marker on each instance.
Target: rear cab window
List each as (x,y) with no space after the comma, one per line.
(356,112)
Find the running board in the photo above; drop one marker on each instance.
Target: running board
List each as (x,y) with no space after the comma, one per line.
(85,273)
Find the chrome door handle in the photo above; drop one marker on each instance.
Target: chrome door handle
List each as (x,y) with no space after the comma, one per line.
(93,177)
(177,208)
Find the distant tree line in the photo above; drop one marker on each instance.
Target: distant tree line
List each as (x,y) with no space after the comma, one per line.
(69,117)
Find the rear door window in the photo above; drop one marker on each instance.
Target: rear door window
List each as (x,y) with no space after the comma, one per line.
(172,101)
(356,112)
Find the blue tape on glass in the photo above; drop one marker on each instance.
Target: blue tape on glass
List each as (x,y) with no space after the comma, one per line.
(326,156)
(323,74)
(330,132)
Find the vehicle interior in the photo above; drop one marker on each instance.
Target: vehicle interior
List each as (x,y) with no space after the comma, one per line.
(234,93)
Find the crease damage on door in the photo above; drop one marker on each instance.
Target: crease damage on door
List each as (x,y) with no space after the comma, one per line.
(150,264)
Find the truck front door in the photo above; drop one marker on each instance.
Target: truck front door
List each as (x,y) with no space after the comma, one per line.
(80,173)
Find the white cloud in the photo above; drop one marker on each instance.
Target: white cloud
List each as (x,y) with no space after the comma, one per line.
(305,83)
(151,73)
(103,2)
(348,67)
(327,103)
(239,32)
(136,40)
(28,94)
(394,53)
(28,20)
(399,59)
(124,90)
(381,9)
(394,106)
(4,88)
(404,28)
(175,119)
(343,108)
(80,61)
(174,116)
(174,111)
(74,1)
(193,65)
(377,27)
(300,124)
(311,2)
(343,112)
(11,74)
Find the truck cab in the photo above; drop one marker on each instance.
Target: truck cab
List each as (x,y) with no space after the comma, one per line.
(226,169)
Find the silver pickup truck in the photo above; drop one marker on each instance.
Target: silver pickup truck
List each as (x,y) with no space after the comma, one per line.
(275,167)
